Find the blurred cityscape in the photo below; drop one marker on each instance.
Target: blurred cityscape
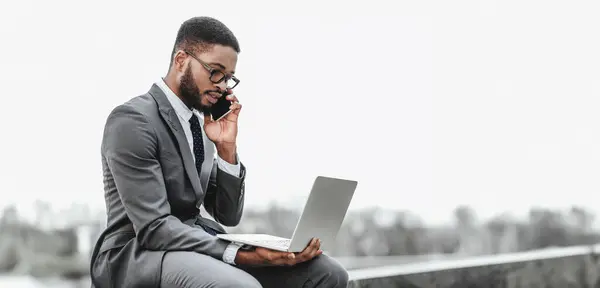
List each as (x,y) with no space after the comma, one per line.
(56,246)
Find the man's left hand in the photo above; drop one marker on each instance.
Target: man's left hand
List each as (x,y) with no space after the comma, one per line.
(224,131)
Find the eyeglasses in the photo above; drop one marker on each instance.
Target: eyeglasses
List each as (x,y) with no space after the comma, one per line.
(217,76)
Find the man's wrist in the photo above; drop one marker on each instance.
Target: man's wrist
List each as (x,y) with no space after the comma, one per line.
(227,152)
(241,257)
(244,257)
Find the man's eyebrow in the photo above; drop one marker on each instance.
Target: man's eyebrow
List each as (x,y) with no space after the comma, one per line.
(221,66)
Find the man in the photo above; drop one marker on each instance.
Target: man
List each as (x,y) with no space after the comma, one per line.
(163,157)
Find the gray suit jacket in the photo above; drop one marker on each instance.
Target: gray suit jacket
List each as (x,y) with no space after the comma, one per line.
(152,190)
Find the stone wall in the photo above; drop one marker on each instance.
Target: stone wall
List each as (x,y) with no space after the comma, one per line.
(572,271)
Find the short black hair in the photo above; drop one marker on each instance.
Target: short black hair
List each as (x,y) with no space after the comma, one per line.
(199,33)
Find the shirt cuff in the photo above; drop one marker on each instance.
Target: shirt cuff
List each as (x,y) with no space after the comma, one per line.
(230,253)
(232,169)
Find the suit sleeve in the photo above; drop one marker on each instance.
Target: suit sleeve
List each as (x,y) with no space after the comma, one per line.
(130,148)
(224,198)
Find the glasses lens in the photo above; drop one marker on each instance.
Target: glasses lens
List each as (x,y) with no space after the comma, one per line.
(231,83)
(217,76)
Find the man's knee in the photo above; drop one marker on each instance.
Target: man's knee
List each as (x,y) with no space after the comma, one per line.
(338,273)
(236,280)
(333,274)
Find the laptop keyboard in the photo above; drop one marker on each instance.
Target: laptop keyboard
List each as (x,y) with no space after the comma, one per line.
(274,242)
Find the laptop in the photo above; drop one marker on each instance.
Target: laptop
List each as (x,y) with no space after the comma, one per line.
(321,218)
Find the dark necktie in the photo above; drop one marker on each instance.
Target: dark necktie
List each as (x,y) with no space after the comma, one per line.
(198,143)
(199,155)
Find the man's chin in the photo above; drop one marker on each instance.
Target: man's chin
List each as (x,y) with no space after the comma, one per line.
(203,108)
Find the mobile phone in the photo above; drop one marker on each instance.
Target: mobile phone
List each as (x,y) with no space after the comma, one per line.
(221,108)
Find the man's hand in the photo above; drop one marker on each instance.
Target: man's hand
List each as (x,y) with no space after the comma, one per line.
(224,132)
(262,256)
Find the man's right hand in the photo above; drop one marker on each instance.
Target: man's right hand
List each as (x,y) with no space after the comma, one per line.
(263,256)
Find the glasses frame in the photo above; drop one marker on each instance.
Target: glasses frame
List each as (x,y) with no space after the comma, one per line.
(213,71)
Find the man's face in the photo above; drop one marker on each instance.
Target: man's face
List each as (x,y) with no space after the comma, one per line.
(196,87)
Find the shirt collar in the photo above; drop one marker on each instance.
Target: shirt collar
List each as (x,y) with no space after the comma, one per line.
(180,108)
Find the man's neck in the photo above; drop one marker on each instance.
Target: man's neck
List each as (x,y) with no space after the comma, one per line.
(171,82)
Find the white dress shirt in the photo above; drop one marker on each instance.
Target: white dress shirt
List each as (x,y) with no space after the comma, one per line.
(184,114)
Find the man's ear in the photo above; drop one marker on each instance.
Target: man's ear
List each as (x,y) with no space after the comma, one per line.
(179,61)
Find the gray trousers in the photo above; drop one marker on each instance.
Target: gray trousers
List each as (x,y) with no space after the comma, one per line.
(183,269)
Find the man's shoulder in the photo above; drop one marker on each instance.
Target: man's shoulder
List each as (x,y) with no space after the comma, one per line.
(142,105)
(139,114)
(136,117)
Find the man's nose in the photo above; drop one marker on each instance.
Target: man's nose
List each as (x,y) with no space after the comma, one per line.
(222,86)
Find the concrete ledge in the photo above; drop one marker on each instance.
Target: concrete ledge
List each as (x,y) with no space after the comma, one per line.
(553,267)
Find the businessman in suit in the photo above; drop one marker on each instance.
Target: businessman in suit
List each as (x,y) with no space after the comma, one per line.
(163,158)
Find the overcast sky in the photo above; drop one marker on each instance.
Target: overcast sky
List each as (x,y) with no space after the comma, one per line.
(429,105)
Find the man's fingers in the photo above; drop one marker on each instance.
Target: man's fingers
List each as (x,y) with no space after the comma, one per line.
(309,251)
(232,98)
(310,246)
(318,244)
(318,250)
(315,245)
(235,106)
(315,249)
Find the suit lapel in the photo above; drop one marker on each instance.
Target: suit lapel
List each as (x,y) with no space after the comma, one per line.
(168,114)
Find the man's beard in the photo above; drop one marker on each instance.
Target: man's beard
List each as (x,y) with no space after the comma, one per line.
(190,93)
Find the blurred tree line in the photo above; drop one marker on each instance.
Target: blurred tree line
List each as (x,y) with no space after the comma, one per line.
(377,232)
(27,249)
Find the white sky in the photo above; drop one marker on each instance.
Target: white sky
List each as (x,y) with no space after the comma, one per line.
(427,104)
